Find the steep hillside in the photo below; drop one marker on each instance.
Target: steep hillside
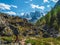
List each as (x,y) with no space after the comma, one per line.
(51,21)
(14,27)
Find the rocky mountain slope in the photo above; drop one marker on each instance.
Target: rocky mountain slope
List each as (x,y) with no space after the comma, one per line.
(16,27)
(12,23)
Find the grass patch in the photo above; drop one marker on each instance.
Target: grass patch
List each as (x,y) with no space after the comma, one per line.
(43,41)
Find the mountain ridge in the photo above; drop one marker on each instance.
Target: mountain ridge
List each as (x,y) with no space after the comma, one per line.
(32,16)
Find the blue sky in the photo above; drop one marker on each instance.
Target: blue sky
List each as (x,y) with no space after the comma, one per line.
(17,7)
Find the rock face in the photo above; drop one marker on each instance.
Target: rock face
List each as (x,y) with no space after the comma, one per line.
(3,24)
(2,21)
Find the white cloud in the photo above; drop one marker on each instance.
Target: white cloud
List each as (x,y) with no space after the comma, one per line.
(21,14)
(46,1)
(37,6)
(44,14)
(4,6)
(48,6)
(11,13)
(14,6)
(55,0)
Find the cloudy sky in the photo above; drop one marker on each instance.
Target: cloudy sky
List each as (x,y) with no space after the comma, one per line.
(17,7)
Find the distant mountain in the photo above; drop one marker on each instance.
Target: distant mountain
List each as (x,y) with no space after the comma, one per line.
(32,16)
(35,16)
